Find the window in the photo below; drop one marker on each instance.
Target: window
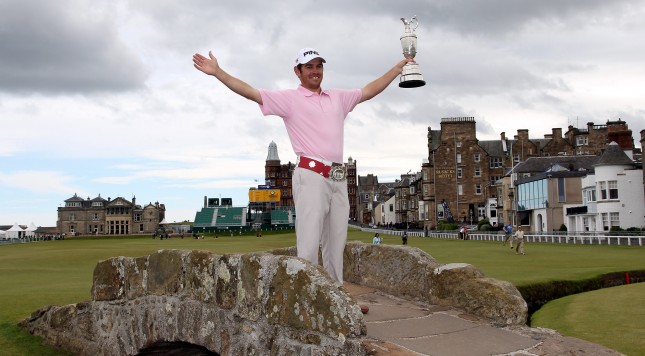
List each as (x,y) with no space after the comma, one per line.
(458,143)
(477,157)
(614,219)
(72,217)
(460,189)
(516,158)
(493,180)
(582,140)
(96,216)
(72,229)
(478,189)
(391,207)
(411,190)
(495,162)
(458,158)
(602,186)
(493,213)
(590,195)
(478,172)
(459,173)
(367,197)
(481,211)
(613,189)
(140,227)
(561,194)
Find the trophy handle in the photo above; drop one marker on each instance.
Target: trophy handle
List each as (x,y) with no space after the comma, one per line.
(413,21)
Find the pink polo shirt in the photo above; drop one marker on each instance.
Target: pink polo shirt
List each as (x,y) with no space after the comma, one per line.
(315,123)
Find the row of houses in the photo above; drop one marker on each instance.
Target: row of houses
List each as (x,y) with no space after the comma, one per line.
(585,180)
(541,182)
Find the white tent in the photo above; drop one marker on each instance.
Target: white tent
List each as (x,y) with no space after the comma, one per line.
(30,230)
(2,234)
(15,232)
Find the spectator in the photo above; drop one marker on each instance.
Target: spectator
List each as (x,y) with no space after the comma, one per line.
(519,236)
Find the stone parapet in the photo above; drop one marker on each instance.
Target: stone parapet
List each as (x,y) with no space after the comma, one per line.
(259,304)
(252,304)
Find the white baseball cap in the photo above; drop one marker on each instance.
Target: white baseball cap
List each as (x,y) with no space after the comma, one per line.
(307,54)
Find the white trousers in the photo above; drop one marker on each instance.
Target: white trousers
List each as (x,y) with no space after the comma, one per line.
(322,211)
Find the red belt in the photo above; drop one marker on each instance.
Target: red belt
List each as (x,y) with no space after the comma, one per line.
(314,165)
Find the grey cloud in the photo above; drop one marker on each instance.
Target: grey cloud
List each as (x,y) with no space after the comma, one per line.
(59,47)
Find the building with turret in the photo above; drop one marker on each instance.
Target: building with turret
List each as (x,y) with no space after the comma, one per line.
(279,176)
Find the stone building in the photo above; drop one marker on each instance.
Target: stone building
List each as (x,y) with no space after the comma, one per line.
(593,140)
(101,216)
(277,175)
(462,172)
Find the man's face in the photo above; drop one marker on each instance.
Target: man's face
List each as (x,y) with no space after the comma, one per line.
(311,74)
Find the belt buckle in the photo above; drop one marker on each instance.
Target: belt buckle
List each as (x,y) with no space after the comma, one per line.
(337,173)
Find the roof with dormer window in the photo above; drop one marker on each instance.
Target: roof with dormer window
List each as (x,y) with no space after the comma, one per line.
(74,198)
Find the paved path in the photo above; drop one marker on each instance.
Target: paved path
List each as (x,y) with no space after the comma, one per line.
(397,327)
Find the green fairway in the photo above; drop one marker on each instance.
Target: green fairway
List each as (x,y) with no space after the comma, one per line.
(60,272)
(612,317)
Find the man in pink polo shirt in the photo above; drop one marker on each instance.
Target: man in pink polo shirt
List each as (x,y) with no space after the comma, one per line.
(314,118)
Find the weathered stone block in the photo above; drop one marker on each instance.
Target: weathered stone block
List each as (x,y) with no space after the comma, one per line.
(165,272)
(398,270)
(227,278)
(108,283)
(201,280)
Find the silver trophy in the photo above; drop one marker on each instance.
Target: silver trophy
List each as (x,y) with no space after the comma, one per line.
(411,76)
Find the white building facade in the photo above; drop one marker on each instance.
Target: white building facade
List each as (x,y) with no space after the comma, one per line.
(612,197)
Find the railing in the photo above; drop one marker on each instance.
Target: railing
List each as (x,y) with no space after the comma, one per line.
(416,233)
(581,239)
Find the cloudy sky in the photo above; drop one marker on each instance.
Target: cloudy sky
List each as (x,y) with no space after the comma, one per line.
(100,97)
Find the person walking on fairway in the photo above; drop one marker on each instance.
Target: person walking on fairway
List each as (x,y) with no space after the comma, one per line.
(508,235)
(519,237)
(314,118)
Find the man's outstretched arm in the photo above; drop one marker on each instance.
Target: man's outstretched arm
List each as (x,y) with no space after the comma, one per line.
(211,67)
(376,87)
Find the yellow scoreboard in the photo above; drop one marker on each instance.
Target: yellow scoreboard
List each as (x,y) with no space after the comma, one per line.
(264,195)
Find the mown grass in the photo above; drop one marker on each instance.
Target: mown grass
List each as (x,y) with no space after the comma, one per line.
(60,272)
(612,317)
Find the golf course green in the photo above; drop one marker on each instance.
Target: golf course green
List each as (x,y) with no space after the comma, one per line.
(33,275)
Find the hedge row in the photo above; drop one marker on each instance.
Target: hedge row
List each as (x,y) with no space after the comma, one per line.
(536,295)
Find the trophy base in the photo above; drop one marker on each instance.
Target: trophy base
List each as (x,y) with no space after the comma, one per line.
(412,84)
(411,77)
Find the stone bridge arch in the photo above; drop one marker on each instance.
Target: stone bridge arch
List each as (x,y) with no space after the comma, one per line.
(257,304)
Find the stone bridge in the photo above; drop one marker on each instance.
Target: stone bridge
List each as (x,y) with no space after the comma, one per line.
(258,304)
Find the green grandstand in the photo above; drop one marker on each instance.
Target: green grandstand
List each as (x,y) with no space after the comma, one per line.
(239,218)
(221,218)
